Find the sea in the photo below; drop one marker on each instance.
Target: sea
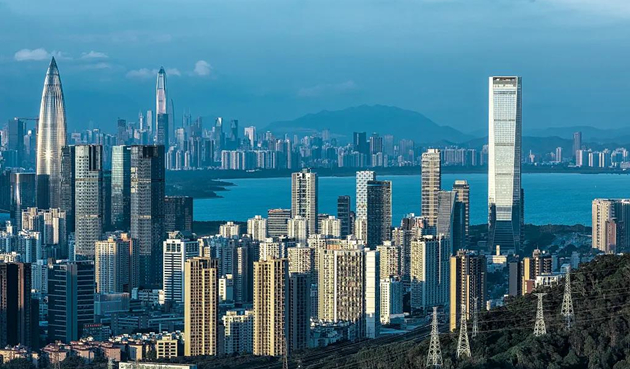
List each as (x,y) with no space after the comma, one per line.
(550,198)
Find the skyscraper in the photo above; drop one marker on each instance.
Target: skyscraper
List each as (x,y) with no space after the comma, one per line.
(257,228)
(341,287)
(577,142)
(270,307)
(468,282)
(363,177)
(112,264)
(178,213)
(201,309)
(429,272)
(299,314)
(23,194)
(610,221)
(67,192)
(121,187)
(70,299)
(304,198)
(177,249)
(51,137)
(379,212)
(277,220)
(344,215)
(462,190)
(17,317)
(161,111)
(147,210)
(372,294)
(505,195)
(88,199)
(431,185)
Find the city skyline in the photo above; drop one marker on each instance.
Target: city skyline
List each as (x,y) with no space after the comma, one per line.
(109,69)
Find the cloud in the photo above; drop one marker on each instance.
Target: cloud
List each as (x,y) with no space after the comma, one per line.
(96,66)
(202,68)
(172,72)
(94,55)
(327,89)
(146,73)
(39,54)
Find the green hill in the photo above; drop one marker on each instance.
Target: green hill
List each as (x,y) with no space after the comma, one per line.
(600,337)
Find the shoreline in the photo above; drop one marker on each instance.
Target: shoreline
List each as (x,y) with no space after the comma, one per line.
(217,174)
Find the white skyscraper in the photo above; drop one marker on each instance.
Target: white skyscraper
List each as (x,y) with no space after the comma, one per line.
(298,229)
(429,272)
(363,177)
(304,198)
(505,195)
(372,294)
(330,226)
(431,185)
(88,199)
(177,249)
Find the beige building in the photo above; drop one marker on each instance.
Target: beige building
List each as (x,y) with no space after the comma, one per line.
(257,228)
(341,287)
(390,260)
(330,226)
(270,307)
(429,274)
(166,347)
(113,263)
(201,307)
(468,282)
(229,230)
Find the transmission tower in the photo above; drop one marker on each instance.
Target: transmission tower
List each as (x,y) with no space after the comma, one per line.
(567,301)
(463,347)
(434,357)
(475,327)
(539,327)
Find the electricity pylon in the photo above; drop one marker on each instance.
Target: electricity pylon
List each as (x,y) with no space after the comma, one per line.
(434,357)
(540,328)
(463,347)
(475,327)
(567,301)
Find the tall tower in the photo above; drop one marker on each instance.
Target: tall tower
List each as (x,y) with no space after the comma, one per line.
(147,210)
(88,198)
(379,212)
(121,187)
(161,112)
(304,198)
(363,177)
(431,185)
(51,137)
(505,195)
(462,201)
(270,307)
(201,308)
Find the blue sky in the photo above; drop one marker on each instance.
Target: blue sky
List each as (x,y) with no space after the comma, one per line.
(261,61)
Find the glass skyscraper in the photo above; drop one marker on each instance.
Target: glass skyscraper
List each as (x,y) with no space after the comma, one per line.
(51,137)
(505,195)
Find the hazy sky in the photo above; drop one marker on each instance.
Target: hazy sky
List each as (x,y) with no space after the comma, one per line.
(265,60)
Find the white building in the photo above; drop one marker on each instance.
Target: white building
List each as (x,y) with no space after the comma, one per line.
(392,291)
(363,177)
(177,249)
(298,229)
(330,227)
(429,272)
(372,294)
(230,230)
(271,249)
(505,212)
(257,228)
(304,198)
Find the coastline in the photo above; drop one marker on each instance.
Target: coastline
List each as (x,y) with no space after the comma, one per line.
(218,175)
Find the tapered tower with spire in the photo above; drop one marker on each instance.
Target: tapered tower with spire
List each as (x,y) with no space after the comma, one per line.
(51,138)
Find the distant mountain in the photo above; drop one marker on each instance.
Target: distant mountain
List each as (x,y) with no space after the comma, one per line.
(371,118)
(589,134)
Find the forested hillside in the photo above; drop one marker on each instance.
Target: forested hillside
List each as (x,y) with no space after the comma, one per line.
(600,337)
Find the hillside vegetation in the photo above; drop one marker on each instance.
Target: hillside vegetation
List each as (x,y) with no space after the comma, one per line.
(600,337)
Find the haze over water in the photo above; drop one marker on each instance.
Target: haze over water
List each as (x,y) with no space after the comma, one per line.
(549,198)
